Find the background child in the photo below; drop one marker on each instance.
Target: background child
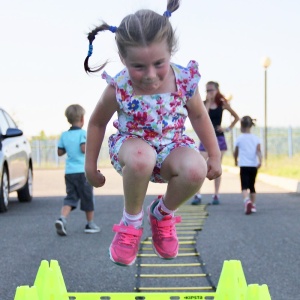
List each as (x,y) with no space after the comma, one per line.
(73,142)
(153,98)
(247,155)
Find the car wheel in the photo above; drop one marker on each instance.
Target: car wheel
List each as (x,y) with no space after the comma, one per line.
(4,192)
(25,193)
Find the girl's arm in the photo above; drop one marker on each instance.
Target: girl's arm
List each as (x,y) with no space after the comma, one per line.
(101,115)
(206,133)
(227,106)
(259,155)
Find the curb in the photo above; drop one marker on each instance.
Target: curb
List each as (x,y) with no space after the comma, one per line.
(288,184)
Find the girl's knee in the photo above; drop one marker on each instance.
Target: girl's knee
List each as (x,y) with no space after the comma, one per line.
(140,161)
(194,171)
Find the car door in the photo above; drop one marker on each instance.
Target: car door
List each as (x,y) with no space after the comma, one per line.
(20,158)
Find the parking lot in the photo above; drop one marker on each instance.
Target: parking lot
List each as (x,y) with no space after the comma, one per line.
(267,243)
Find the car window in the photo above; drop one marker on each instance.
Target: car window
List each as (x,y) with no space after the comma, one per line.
(3,123)
(11,123)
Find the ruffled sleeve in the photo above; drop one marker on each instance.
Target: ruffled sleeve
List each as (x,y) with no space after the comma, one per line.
(188,79)
(110,80)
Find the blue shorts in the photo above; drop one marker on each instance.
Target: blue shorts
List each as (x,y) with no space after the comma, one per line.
(116,141)
(78,188)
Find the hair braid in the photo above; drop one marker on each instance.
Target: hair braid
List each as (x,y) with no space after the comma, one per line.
(91,37)
(173,5)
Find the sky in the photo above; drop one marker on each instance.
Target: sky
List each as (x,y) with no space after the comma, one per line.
(43,46)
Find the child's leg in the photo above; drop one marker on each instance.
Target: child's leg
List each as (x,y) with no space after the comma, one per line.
(89,215)
(205,156)
(185,170)
(137,159)
(217,181)
(245,194)
(65,211)
(253,197)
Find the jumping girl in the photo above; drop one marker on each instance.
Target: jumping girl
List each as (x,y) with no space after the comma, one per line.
(153,97)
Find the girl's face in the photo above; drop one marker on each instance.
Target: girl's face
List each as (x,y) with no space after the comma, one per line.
(211,91)
(148,66)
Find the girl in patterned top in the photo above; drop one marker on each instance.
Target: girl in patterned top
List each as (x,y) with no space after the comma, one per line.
(153,97)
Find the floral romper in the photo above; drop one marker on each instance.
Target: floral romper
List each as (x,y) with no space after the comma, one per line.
(158,119)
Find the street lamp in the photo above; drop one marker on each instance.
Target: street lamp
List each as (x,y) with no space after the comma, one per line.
(266,62)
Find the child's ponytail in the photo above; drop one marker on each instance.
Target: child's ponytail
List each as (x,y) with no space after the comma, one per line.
(171,7)
(91,36)
(247,122)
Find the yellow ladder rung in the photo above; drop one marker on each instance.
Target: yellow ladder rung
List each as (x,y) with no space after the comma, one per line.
(179,254)
(182,249)
(182,231)
(180,238)
(180,242)
(170,275)
(198,288)
(170,265)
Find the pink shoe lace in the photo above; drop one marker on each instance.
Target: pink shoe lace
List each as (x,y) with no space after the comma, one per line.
(128,235)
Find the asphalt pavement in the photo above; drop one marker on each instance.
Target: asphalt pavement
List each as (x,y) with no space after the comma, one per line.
(267,243)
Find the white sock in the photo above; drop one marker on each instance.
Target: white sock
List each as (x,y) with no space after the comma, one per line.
(246,199)
(160,210)
(133,220)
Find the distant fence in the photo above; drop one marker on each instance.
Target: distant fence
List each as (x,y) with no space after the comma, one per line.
(281,141)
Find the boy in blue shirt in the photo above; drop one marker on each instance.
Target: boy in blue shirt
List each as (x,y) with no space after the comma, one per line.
(72,143)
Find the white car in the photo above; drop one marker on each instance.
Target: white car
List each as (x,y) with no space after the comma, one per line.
(15,162)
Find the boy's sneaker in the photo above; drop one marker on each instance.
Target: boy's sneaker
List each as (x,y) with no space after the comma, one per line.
(61,227)
(253,209)
(164,236)
(216,200)
(196,200)
(125,245)
(248,207)
(91,227)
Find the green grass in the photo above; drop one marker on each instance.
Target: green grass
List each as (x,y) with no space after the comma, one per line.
(277,165)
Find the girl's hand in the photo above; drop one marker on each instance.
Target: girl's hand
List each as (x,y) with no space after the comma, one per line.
(96,179)
(259,165)
(220,129)
(214,169)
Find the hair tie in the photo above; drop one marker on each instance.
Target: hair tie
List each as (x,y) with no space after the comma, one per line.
(167,14)
(113,29)
(90,50)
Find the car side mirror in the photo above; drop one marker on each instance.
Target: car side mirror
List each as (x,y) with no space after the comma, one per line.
(12,132)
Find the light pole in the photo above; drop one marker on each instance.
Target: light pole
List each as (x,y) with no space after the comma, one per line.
(266,62)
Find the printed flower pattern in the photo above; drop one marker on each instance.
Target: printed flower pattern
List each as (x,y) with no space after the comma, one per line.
(159,119)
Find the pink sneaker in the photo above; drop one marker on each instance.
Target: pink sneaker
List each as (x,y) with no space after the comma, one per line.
(253,209)
(125,245)
(164,236)
(248,207)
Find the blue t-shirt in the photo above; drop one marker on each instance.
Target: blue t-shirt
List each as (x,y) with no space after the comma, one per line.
(70,141)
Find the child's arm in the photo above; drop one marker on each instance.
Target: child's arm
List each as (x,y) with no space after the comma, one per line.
(101,115)
(227,106)
(205,131)
(61,151)
(235,155)
(82,147)
(259,155)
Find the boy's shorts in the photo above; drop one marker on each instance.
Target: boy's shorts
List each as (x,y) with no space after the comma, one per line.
(116,141)
(78,188)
